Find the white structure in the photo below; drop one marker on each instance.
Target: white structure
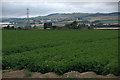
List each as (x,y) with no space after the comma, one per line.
(5,24)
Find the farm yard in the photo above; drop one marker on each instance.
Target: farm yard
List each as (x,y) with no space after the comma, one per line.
(61,51)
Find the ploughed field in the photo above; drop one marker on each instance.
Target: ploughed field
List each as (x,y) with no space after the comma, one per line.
(61,51)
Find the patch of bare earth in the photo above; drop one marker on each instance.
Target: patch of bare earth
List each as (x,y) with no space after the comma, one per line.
(108,76)
(14,74)
(37,75)
(88,75)
(76,74)
(72,74)
(50,75)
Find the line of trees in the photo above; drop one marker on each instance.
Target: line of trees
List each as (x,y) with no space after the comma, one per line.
(75,25)
(11,28)
(8,27)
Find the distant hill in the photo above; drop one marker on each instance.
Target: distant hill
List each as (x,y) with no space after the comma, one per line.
(63,16)
(68,16)
(103,14)
(75,15)
(91,17)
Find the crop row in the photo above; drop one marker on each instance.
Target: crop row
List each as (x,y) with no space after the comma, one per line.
(61,51)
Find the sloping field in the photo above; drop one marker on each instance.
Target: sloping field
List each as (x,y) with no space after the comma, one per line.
(61,51)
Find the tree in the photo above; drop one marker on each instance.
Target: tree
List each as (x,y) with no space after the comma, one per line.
(45,25)
(8,26)
(34,26)
(19,27)
(54,27)
(74,25)
(12,27)
(4,27)
(88,27)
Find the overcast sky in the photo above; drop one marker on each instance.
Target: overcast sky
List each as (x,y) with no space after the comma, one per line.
(18,9)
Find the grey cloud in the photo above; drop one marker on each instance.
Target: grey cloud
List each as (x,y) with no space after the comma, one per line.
(60,0)
(18,9)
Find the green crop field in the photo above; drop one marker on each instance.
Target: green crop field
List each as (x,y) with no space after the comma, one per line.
(61,51)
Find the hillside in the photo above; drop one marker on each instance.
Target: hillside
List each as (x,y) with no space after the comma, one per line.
(65,18)
(77,15)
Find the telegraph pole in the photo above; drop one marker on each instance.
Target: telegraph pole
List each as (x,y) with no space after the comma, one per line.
(28,14)
(28,22)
